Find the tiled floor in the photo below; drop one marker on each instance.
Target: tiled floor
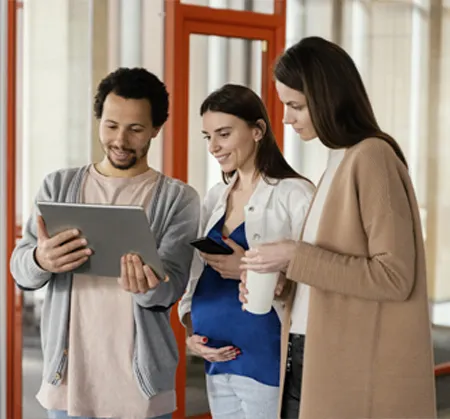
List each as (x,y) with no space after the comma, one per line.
(32,367)
(32,370)
(196,402)
(441,338)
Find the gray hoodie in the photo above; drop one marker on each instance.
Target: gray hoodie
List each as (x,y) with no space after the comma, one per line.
(174,217)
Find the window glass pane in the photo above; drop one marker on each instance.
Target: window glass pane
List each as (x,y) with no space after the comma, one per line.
(260,6)
(211,66)
(214,61)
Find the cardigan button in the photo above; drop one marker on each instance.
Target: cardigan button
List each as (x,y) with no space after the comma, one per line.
(251,209)
(256,236)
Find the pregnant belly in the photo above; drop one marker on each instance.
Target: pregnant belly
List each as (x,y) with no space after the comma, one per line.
(220,318)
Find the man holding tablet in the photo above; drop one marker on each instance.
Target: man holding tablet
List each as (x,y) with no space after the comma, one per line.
(109,351)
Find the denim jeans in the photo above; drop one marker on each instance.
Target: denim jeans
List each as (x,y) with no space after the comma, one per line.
(61,414)
(236,397)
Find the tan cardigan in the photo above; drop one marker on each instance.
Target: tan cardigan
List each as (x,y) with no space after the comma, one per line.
(368,346)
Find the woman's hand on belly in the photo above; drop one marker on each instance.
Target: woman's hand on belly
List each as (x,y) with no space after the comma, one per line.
(228,266)
(197,344)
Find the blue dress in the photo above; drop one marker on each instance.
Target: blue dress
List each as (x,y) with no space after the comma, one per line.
(217,314)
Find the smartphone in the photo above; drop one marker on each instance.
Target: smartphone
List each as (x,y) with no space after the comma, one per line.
(208,245)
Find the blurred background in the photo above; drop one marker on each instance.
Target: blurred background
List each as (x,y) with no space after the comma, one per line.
(54,52)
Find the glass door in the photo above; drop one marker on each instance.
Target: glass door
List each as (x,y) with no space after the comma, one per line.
(206,48)
(213,61)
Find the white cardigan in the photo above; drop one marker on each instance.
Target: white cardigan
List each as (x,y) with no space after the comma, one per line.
(275,211)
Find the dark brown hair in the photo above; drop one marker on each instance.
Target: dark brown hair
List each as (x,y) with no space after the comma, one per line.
(337,100)
(135,83)
(245,104)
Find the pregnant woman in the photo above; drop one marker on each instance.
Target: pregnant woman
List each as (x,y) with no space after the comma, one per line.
(260,200)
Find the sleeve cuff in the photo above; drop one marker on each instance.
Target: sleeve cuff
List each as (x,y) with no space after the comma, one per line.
(297,267)
(183,309)
(35,270)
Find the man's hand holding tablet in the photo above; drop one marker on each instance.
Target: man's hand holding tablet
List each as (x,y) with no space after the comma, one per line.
(135,276)
(63,252)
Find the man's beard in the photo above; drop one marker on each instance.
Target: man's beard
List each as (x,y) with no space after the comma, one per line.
(123,166)
(133,160)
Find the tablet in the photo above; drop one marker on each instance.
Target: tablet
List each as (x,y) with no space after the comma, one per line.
(111,232)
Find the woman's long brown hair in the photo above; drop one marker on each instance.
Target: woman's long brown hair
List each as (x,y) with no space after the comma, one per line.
(337,100)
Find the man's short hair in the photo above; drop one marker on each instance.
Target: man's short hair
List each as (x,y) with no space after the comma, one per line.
(135,83)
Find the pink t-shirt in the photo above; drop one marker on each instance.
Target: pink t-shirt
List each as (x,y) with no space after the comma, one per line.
(99,381)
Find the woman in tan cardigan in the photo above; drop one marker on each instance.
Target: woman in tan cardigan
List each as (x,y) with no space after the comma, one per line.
(361,257)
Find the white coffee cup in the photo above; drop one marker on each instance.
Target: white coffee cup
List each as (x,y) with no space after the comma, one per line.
(261,291)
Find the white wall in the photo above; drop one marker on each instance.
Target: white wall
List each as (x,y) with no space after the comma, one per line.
(198,90)
(442,186)
(303,17)
(130,33)
(153,60)
(56,106)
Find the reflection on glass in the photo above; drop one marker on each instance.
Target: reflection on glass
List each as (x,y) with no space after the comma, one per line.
(259,6)
(214,61)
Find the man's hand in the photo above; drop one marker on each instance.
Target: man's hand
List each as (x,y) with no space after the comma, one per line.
(63,252)
(197,344)
(136,277)
(228,266)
